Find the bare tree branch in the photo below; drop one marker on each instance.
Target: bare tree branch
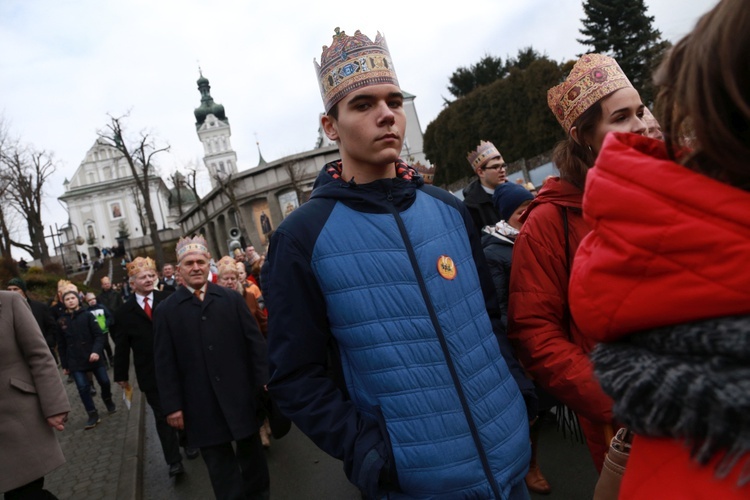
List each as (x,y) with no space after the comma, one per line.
(139,157)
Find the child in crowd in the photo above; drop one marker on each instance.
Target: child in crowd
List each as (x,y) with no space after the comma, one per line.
(80,343)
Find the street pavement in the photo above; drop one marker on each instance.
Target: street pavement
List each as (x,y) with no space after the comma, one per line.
(121,459)
(301,471)
(101,463)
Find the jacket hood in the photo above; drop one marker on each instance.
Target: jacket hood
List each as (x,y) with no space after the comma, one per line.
(668,245)
(557,192)
(371,196)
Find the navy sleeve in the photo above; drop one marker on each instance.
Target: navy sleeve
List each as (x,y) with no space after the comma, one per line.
(298,335)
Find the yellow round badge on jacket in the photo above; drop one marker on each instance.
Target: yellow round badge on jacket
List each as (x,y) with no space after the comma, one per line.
(446,267)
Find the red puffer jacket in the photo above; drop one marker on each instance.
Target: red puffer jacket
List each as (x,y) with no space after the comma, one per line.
(547,341)
(668,246)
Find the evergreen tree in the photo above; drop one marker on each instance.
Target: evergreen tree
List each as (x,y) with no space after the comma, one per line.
(486,71)
(511,112)
(624,30)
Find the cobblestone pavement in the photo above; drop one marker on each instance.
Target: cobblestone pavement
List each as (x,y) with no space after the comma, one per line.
(101,463)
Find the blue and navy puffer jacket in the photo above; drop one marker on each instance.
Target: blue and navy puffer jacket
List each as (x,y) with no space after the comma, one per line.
(429,408)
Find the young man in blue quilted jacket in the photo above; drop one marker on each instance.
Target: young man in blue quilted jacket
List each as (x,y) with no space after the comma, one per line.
(385,341)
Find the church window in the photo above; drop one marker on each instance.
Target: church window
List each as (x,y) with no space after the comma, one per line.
(221,167)
(210,146)
(223,144)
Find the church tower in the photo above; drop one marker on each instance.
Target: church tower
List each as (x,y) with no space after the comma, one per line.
(214,132)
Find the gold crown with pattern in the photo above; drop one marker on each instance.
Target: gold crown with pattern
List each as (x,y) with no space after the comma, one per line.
(350,63)
(593,77)
(227,265)
(484,152)
(196,244)
(140,264)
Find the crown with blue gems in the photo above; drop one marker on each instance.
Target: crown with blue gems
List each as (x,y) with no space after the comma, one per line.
(188,245)
(350,63)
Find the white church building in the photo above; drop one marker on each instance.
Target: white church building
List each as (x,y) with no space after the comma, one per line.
(104,202)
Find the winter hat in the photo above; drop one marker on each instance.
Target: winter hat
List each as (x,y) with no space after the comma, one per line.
(508,196)
(17,282)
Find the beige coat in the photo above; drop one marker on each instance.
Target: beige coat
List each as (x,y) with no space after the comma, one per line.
(30,391)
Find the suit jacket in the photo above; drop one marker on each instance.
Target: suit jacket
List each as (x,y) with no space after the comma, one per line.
(134,330)
(210,363)
(30,392)
(167,285)
(43,316)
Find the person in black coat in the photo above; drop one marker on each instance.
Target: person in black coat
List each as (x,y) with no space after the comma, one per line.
(133,329)
(42,314)
(211,362)
(511,200)
(81,345)
(487,162)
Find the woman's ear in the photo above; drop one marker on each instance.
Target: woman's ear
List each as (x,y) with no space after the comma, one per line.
(574,134)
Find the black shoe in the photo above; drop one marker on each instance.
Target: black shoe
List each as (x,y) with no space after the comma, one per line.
(70,379)
(192,453)
(111,408)
(176,469)
(93,420)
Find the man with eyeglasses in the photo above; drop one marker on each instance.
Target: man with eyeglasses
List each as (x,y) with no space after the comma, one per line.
(489,166)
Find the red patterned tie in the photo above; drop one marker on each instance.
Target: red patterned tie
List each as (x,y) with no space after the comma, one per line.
(147,307)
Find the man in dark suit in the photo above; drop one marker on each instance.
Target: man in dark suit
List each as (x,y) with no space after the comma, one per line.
(210,365)
(167,282)
(42,314)
(133,329)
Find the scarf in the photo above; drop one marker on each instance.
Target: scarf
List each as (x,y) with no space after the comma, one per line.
(689,382)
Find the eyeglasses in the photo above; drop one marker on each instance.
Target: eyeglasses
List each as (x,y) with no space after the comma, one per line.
(495,167)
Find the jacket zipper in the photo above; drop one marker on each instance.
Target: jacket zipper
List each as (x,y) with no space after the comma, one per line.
(443,346)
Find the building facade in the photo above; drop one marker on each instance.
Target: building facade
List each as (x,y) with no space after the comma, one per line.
(104,202)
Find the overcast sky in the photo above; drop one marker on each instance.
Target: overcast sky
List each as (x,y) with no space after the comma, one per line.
(64,65)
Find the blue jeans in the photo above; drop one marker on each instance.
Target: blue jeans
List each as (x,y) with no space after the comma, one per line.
(84,388)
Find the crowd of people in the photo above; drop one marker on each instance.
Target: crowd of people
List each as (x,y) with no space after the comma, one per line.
(422,340)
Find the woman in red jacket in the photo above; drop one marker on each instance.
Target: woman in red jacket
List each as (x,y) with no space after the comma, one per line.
(663,278)
(596,98)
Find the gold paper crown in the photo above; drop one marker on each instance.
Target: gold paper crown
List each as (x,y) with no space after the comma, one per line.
(141,264)
(484,152)
(593,77)
(350,63)
(226,265)
(62,284)
(188,245)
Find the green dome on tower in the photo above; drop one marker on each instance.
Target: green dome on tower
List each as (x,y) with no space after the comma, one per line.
(208,106)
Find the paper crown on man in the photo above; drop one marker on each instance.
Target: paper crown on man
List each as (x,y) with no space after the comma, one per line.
(593,77)
(484,153)
(350,63)
(188,245)
(140,264)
